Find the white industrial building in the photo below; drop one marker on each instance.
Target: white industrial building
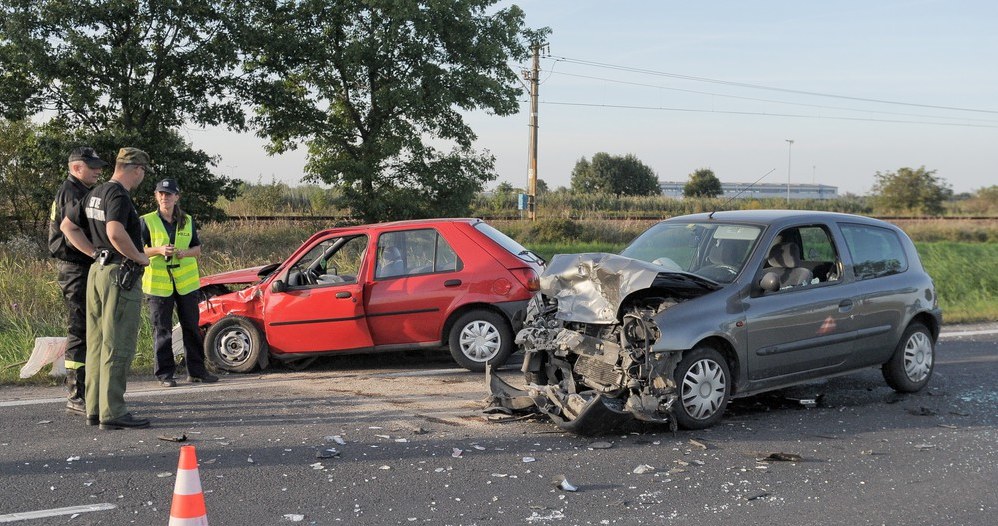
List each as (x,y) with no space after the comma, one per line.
(760,190)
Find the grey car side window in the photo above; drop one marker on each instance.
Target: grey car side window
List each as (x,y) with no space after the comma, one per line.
(875,251)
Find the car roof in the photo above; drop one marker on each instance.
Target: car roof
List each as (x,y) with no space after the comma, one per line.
(776,217)
(396,224)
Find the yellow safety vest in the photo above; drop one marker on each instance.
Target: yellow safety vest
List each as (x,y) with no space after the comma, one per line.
(156,280)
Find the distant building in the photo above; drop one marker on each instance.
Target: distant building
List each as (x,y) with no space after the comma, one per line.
(760,190)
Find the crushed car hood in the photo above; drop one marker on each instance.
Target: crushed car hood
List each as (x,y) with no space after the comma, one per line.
(233,277)
(590,287)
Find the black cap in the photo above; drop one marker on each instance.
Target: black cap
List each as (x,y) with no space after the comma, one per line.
(87,155)
(168,186)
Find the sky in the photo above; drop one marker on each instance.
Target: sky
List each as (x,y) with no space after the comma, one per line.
(860,87)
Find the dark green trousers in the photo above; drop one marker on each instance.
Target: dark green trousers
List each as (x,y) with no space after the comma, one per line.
(112,330)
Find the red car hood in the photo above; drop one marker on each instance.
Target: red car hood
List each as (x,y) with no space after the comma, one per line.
(232,277)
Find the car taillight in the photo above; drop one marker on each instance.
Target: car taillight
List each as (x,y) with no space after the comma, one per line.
(528,278)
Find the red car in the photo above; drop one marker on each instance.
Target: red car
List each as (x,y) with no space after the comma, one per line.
(391,286)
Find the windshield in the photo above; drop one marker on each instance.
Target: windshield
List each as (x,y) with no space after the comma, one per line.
(714,251)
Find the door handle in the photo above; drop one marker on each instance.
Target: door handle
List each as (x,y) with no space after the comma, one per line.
(343,295)
(452,283)
(845,306)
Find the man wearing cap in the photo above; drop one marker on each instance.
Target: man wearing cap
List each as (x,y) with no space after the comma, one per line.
(84,168)
(114,299)
(171,242)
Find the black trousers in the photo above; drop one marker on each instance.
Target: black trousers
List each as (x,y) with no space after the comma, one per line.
(73,282)
(161,314)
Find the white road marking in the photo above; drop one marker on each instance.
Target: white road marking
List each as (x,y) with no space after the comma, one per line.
(967,333)
(55,512)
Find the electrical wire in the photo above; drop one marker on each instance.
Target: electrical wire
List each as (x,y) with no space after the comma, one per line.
(617,67)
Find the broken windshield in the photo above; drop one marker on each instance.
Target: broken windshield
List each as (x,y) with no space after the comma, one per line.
(714,251)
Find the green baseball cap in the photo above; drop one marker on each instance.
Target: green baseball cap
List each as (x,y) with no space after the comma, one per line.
(134,156)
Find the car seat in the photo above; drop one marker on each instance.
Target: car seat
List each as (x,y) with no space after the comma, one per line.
(392,263)
(784,259)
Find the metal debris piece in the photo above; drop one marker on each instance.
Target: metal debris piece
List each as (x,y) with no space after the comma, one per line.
(173,438)
(696,443)
(40,422)
(336,438)
(386,468)
(457,452)
(529,459)
(329,452)
(294,517)
(164,474)
(757,495)
(70,459)
(563,484)
(923,447)
(317,466)
(601,445)
(643,468)
(783,457)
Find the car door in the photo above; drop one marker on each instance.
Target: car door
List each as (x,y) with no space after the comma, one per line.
(802,330)
(417,277)
(324,313)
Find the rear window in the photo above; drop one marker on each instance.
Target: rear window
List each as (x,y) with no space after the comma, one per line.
(507,242)
(875,251)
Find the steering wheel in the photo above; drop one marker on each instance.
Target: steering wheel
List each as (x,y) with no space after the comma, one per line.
(310,277)
(721,271)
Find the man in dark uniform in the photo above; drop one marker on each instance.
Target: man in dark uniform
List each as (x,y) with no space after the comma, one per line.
(114,297)
(84,168)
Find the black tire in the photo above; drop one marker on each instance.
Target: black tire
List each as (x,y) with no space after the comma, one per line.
(234,344)
(480,337)
(704,383)
(911,365)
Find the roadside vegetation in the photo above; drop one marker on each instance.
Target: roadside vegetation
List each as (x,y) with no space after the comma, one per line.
(962,257)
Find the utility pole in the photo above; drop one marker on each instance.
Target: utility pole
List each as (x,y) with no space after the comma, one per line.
(789,149)
(534,75)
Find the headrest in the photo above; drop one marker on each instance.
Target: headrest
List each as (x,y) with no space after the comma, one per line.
(784,255)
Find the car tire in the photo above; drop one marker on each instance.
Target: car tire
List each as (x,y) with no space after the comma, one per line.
(913,361)
(481,337)
(704,383)
(234,344)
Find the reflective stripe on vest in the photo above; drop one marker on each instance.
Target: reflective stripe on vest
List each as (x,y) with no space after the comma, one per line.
(156,279)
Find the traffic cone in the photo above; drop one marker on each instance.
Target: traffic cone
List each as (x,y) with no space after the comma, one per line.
(188,500)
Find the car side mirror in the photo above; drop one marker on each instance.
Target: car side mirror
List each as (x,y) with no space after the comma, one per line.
(279,286)
(770,282)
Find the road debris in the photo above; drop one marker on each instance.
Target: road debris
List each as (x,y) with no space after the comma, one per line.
(601,445)
(757,495)
(336,438)
(329,452)
(782,457)
(563,484)
(294,517)
(173,438)
(529,459)
(643,468)
(697,443)
(924,447)
(457,452)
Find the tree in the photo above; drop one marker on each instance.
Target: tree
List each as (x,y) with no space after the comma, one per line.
(374,88)
(910,191)
(127,73)
(615,175)
(703,183)
(983,202)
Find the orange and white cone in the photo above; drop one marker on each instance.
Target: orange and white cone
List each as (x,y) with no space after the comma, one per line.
(188,499)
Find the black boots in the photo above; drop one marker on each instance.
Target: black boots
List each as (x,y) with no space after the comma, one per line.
(76,391)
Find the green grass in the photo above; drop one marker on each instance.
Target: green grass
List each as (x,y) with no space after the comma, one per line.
(965,273)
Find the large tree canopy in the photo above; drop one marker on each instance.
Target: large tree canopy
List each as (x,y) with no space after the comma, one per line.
(910,191)
(613,174)
(128,73)
(375,89)
(703,183)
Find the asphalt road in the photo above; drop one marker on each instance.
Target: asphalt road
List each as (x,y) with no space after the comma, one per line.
(416,450)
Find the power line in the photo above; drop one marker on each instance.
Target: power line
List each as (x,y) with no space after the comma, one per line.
(758,86)
(755,99)
(764,114)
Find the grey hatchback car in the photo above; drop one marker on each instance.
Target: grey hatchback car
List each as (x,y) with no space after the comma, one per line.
(703,308)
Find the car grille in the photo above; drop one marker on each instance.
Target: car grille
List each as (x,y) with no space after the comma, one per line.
(598,371)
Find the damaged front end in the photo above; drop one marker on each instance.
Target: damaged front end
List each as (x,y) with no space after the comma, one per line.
(589,362)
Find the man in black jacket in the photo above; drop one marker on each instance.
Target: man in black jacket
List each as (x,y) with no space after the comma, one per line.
(84,168)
